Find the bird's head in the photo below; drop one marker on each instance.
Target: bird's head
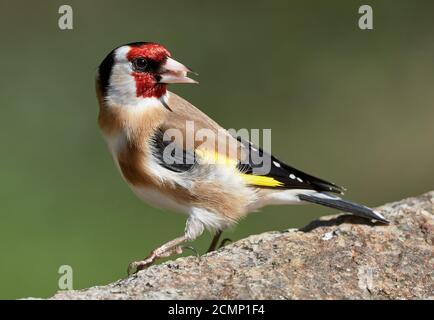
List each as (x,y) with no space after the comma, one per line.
(137,71)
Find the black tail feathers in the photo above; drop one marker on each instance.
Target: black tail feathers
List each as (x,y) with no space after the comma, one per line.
(344,205)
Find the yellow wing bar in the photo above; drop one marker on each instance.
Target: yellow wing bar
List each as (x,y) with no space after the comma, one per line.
(207,156)
(261,181)
(212,157)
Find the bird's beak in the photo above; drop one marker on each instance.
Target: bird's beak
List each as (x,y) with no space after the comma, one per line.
(174,72)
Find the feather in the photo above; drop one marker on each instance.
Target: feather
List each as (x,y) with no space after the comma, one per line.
(344,205)
(286,176)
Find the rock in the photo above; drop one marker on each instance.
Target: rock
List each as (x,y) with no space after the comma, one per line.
(335,257)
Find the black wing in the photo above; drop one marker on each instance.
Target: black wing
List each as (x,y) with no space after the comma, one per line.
(289,177)
(171,157)
(182,160)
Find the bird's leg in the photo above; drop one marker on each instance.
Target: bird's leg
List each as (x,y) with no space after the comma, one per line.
(214,241)
(193,229)
(223,243)
(166,250)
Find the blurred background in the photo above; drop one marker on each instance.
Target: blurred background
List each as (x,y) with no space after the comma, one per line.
(352,106)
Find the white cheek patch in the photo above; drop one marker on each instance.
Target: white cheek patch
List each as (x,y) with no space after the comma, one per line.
(122,86)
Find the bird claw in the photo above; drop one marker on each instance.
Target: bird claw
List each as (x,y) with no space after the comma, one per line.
(192,249)
(136,266)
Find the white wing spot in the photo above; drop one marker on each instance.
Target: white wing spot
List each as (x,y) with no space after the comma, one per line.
(300,180)
(277,164)
(292,176)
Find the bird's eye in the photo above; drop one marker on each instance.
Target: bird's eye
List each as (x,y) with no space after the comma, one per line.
(140,64)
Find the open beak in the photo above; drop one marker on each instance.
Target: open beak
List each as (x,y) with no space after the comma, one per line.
(174,72)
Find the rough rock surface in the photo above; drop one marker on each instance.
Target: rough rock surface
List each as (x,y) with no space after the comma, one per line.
(335,257)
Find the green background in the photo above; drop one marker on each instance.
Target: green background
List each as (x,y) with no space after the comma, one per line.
(352,106)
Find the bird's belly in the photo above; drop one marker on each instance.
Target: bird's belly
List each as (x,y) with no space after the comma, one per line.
(158,199)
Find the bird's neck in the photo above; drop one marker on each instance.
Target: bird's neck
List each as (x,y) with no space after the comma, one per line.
(133,121)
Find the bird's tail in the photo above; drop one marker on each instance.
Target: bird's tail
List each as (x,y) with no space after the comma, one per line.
(344,205)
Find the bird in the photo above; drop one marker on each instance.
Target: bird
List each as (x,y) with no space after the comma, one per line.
(148,130)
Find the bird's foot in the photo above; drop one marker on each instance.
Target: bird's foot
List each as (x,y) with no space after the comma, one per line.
(192,249)
(224,241)
(215,246)
(136,266)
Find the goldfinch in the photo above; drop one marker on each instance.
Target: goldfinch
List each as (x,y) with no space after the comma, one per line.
(214,186)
